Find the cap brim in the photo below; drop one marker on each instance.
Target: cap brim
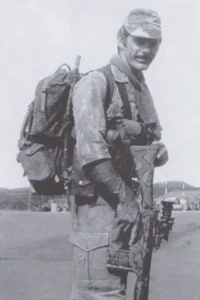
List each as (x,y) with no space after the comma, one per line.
(148,32)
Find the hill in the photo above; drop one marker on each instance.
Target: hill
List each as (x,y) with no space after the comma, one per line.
(18,198)
(173,187)
(14,199)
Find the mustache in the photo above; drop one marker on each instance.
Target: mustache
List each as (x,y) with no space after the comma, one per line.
(146,57)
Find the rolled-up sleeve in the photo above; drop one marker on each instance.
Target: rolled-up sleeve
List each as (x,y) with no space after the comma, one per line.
(89,115)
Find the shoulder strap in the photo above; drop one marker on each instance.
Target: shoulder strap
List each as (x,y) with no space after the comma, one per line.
(44,91)
(124,96)
(110,90)
(106,70)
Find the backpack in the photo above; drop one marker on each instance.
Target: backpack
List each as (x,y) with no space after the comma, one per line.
(46,146)
(50,104)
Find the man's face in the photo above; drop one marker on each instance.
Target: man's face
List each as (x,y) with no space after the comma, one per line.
(139,52)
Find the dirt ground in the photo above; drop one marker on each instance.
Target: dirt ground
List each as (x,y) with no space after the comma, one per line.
(35,258)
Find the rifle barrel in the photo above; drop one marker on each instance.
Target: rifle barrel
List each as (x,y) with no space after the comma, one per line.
(77,62)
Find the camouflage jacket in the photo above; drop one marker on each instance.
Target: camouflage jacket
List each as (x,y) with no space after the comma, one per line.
(91,118)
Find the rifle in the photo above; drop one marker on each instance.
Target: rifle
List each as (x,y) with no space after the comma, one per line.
(152,229)
(143,159)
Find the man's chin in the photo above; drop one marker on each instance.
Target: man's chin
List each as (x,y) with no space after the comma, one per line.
(140,67)
(144,67)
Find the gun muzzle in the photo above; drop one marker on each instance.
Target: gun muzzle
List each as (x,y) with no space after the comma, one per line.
(77,62)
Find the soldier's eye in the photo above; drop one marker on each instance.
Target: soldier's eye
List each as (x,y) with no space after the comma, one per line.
(145,42)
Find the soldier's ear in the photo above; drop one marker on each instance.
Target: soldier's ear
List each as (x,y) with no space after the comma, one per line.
(120,43)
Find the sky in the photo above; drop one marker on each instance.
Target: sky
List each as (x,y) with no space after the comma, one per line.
(38,35)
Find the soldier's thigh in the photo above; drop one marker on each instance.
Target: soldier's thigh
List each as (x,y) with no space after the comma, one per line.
(92,278)
(90,241)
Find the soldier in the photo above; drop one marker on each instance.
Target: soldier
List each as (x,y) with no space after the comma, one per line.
(106,124)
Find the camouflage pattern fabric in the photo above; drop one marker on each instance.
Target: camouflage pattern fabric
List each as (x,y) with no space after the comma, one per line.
(143,23)
(91,119)
(94,229)
(90,239)
(89,114)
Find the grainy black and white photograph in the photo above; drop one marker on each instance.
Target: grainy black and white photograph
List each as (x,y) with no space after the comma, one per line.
(99,156)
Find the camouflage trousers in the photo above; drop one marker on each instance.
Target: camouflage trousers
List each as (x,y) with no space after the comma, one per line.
(90,238)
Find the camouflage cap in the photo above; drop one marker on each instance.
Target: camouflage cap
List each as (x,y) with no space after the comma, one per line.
(143,23)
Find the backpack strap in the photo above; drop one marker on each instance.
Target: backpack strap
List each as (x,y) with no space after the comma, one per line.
(44,94)
(124,96)
(107,72)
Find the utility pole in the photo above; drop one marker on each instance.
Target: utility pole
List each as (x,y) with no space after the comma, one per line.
(29,200)
(183,194)
(166,187)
